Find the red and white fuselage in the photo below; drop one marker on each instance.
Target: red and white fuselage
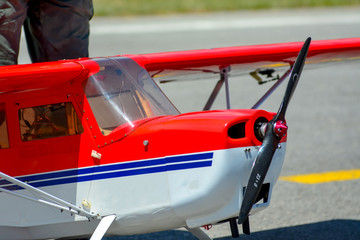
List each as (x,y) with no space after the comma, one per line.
(152,170)
(102,137)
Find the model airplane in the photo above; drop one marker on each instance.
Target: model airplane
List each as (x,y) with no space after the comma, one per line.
(92,147)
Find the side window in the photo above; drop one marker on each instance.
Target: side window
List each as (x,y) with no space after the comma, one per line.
(4,138)
(48,121)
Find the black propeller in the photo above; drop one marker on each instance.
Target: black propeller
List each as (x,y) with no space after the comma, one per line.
(275,130)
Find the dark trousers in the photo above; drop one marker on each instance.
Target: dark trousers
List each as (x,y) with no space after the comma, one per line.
(54,29)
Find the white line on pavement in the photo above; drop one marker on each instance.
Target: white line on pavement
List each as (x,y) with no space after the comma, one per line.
(219,23)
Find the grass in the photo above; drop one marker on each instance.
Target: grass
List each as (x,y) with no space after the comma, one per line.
(151,7)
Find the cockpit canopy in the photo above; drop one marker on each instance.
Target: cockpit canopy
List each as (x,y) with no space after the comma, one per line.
(123,92)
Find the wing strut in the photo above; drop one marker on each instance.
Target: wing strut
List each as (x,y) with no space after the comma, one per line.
(224,73)
(51,200)
(224,78)
(273,88)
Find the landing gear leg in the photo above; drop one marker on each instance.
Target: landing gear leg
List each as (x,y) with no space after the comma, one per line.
(197,232)
(234,228)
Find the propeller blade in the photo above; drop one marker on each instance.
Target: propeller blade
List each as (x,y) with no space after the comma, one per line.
(275,130)
(259,170)
(294,79)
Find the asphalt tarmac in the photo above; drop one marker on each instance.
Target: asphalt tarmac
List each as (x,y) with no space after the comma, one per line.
(323,116)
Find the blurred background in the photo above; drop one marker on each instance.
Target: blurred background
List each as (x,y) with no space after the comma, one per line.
(160,7)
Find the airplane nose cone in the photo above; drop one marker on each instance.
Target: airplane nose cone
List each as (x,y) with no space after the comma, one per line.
(280,128)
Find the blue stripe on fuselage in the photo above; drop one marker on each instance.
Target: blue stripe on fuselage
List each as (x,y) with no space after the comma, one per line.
(171,163)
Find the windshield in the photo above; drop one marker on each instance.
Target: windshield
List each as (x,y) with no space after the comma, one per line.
(123,92)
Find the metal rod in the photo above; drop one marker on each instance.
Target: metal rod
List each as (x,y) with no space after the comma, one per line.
(225,72)
(62,208)
(223,78)
(213,95)
(270,91)
(46,195)
(234,228)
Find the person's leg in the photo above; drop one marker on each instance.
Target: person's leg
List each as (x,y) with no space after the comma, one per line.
(58,29)
(12,16)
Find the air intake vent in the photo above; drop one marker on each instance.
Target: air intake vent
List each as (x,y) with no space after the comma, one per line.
(237,131)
